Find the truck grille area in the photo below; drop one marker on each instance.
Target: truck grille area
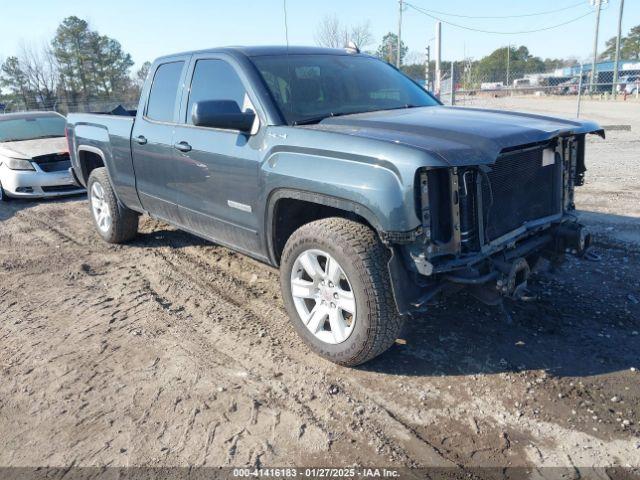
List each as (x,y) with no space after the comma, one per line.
(519,188)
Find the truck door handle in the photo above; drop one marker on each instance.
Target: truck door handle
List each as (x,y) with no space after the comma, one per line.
(141,139)
(182,146)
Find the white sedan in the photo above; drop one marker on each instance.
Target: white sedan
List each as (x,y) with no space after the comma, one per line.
(34,157)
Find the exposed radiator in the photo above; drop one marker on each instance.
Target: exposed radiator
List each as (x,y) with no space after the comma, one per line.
(519,188)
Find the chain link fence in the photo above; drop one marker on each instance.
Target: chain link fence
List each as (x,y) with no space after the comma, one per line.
(465,87)
(461,85)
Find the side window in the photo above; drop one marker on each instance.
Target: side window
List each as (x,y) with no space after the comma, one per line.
(164,90)
(216,80)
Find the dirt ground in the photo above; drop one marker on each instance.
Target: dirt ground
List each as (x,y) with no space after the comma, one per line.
(172,351)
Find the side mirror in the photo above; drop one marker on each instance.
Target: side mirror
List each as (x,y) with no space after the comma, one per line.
(225,114)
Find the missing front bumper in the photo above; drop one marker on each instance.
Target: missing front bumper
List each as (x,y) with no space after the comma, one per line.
(490,278)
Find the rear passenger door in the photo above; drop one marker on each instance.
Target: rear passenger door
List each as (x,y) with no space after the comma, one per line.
(218,175)
(152,139)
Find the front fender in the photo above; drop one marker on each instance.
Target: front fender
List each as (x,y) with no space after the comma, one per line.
(383,196)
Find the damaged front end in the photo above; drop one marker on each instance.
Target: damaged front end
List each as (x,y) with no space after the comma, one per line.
(484,227)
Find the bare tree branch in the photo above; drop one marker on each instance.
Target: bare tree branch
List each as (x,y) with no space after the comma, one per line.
(361,34)
(330,32)
(38,65)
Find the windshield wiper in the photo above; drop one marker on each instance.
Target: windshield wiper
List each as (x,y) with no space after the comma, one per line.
(406,105)
(319,118)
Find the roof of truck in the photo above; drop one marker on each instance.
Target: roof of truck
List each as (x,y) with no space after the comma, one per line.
(255,51)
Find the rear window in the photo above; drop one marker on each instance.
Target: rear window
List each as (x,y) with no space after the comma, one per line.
(31,128)
(164,90)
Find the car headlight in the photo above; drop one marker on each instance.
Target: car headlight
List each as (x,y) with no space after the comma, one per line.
(18,164)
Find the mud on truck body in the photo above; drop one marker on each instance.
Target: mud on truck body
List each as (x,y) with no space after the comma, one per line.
(368,194)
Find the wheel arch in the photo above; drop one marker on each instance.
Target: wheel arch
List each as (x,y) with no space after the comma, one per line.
(278,228)
(89,158)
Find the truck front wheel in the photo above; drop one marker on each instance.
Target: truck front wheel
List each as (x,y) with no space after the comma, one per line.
(336,290)
(114,222)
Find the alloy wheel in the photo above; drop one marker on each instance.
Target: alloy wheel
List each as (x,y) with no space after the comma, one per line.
(100,207)
(323,296)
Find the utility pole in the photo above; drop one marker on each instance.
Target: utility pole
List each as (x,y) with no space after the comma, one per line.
(426,69)
(438,75)
(508,62)
(579,91)
(453,84)
(399,33)
(598,5)
(614,90)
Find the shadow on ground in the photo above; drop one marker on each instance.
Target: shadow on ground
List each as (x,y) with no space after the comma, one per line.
(581,322)
(584,321)
(168,237)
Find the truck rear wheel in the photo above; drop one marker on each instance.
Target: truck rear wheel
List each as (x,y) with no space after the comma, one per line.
(335,286)
(114,222)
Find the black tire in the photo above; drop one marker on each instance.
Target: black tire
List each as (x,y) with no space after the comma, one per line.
(124,221)
(363,259)
(3,195)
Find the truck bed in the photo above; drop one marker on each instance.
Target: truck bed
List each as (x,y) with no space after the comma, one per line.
(111,136)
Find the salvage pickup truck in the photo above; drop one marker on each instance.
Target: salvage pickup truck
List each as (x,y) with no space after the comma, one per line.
(369,195)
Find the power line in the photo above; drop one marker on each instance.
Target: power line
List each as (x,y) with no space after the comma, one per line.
(506,16)
(424,12)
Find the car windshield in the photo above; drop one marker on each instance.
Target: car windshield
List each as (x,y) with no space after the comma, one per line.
(308,88)
(30,128)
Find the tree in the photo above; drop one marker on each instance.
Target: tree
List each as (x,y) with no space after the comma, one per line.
(629,46)
(631,50)
(91,66)
(493,67)
(71,48)
(13,77)
(78,66)
(332,34)
(551,64)
(609,52)
(39,66)
(414,70)
(31,77)
(361,35)
(141,74)
(111,65)
(388,49)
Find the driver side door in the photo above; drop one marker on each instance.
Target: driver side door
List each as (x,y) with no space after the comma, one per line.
(217,169)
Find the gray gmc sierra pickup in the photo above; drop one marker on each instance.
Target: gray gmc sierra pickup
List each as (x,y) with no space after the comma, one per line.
(370,196)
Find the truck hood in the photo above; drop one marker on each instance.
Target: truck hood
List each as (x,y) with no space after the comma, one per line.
(28,149)
(458,135)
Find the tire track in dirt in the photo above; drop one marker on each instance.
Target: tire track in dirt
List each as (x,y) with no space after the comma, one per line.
(212,277)
(173,351)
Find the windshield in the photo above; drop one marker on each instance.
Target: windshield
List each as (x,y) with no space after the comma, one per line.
(30,128)
(308,88)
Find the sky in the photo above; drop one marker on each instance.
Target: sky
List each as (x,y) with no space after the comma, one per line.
(148,29)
